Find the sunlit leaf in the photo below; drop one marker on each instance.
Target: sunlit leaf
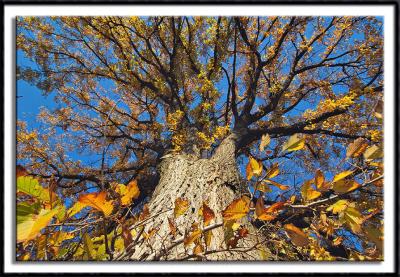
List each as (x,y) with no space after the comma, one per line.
(273,171)
(338,206)
(198,249)
(31,227)
(265,140)
(373,152)
(278,185)
(344,186)
(31,186)
(129,193)
(342,175)
(253,167)
(293,144)
(308,192)
(97,200)
(237,209)
(181,206)
(262,213)
(192,237)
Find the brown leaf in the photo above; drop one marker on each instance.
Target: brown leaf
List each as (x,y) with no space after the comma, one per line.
(208,214)
(172,226)
(296,235)
(356,148)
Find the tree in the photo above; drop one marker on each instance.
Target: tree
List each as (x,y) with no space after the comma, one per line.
(215,138)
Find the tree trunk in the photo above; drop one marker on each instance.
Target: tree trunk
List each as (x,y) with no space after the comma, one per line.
(215,180)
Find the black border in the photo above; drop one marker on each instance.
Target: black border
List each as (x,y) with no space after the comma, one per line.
(222,2)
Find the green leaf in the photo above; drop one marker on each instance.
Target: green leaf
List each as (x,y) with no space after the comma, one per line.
(31,186)
(293,144)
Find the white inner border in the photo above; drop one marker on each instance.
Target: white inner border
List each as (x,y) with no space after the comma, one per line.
(10,11)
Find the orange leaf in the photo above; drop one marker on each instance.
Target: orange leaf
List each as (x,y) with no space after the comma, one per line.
(97,201)
(261,212)
(296,235)
(249,171)
(237,209)
(198,249)
(208,214)
(276,184)
(181,206)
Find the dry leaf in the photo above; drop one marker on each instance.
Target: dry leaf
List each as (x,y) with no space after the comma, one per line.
(356,148)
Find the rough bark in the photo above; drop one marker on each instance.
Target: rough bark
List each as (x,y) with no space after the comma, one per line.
(216,180)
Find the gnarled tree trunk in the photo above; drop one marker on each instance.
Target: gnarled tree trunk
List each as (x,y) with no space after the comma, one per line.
(215,180)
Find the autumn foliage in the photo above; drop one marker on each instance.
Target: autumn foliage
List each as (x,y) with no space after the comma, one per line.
(300,97)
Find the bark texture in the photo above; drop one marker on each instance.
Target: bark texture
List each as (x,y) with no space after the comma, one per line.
(216,180)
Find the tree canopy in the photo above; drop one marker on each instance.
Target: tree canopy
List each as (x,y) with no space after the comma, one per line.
(302,95)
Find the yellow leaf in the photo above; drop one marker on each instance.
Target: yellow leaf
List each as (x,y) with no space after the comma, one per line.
(97,201)
(319,179)
(255,167)
(194,235)
(273,171)
(338,207)
(181,206)
(296,235)
(293,144)
(342,175)
(88,247)
(353,218)
(129,193)
(30,228)
(265,140)
(375,235)
(344,186)
(207,237)
(308,192)
(237,209)
(263,187)
(292,199)
(276,184)
(373,152)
